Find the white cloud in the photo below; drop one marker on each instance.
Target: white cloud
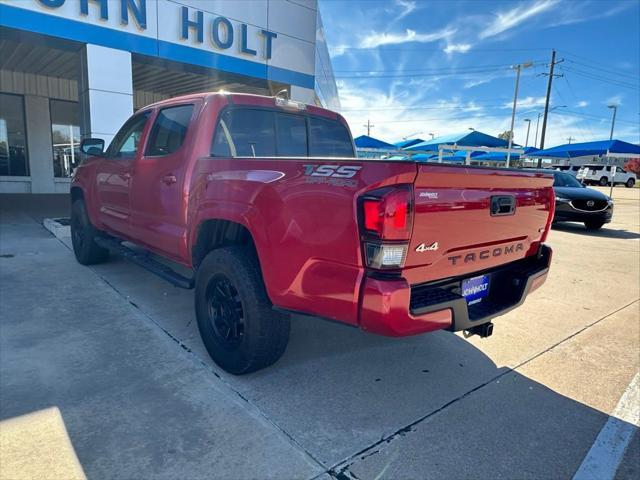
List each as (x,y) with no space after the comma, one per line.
(407,7)
(615,100)
(526,102)
(512,18)
(384,107)
(374,40)
(582,104)
(457,48)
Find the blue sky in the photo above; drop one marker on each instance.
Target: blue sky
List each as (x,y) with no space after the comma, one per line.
(444,66)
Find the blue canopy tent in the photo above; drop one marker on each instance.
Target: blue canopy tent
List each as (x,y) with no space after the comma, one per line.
(364,141)
(470,139)
(501,156)
(601,147)
(408,143)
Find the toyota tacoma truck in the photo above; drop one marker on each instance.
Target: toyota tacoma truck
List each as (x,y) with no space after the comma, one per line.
(261,205)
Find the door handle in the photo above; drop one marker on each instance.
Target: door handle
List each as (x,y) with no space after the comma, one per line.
(169,179)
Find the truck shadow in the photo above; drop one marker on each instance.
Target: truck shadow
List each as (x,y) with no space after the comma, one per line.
(605,232)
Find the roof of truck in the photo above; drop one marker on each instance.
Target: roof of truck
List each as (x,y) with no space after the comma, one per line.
(244,99)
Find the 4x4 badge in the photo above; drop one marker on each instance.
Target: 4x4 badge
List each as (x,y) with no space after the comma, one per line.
(424,248)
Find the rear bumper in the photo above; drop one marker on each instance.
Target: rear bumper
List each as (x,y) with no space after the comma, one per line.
(392,307)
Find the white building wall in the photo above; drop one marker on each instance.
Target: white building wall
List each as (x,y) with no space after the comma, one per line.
(39,143)
(106,91)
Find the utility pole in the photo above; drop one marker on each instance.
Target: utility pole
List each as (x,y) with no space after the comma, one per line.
(613,120)
(546,102)
(526,142)
(570,139)
(369,127)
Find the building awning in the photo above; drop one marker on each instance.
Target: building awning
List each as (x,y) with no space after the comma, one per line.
(601,147)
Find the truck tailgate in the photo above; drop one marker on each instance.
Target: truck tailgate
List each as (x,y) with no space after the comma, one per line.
(469,219)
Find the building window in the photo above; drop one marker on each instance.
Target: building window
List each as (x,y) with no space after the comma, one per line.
(14,160)
(65,136)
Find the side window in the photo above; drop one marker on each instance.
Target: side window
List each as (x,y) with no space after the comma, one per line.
(292,135)
(125,144)
(329,138)
(245,133)
(169,130)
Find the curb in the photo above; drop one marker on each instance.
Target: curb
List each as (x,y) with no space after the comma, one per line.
(58,227)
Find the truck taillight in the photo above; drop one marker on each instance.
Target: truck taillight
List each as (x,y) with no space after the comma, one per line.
(387,213)
(386,219)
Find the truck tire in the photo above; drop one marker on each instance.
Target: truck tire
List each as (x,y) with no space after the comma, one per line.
(83,235)
(630,183)
(594,224)
(603,181)
(238,325)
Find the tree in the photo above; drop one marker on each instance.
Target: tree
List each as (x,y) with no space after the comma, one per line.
(506,135)
(633,166)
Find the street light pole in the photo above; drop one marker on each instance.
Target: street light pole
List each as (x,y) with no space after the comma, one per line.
(513,112)
(535,142)
(613,120)
(526,143)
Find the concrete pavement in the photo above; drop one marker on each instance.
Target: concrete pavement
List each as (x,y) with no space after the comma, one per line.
(528,402)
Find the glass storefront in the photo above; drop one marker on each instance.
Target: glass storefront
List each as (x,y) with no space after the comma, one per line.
(65,136)
(14,160)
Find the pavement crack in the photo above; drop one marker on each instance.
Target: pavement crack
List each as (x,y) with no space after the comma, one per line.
(344,465)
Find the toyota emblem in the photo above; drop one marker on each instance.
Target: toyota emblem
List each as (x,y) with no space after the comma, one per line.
(590,203)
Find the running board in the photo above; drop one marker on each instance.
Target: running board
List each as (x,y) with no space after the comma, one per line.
(147,262)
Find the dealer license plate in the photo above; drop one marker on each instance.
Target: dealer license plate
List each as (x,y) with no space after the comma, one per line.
(475,289)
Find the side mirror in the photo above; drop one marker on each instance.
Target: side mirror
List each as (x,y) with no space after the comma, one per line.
(92,146)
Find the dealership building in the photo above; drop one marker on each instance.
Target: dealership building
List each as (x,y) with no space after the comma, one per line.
(71,69)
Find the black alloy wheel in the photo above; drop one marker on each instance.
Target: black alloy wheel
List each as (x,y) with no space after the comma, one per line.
(225,311)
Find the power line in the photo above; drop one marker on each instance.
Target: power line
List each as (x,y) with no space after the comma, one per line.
(418,75)
(603,69)
(469,68)
(387,48)
(595,64)
(592,76)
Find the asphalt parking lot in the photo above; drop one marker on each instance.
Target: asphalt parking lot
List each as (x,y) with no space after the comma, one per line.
(117,353)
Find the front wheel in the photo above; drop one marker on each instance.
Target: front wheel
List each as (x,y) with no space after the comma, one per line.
(630,183)
(594,224)
(83,235)
(603,181)
(237,323)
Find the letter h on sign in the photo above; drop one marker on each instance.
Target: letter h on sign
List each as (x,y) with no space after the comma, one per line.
(198,24)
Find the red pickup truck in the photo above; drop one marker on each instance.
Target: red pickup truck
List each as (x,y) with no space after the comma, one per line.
(261,204)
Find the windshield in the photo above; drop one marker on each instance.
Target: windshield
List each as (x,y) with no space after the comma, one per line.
(565,180)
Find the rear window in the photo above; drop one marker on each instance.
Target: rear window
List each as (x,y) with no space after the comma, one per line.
(169,130)
(292,135)
(267,133)
(246,133)
(328,138)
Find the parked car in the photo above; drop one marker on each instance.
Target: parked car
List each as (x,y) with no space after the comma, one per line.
(577,203)
(570,169)
(601,175)
(263,200)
